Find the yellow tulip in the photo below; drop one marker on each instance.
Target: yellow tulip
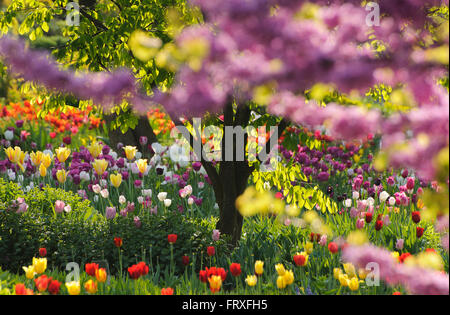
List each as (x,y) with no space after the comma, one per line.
(100,166)
(281,282)
(356,158)
(91,286)
(280,269)
(95,149)
(29,272)
(46,160)
(62,154)
(39,265)
(362,273)
(36,157)
(73,287)
(13,154)
(116,180)
(309,247)
(259,267)
(289,277)
(42,170)
(215,282)
(336,273)
(350,270)
(100,275)
(130,152)
(142,165)
(251,280)
(343,279)
(353,284)
(61,175)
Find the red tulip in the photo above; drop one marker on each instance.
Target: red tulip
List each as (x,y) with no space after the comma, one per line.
(415,216)
(203,276)
(378,225)
(185,260)
(118,242)
(299,260)
(172,238)
(166,291)
(42,283)
(368,217)
(91,269)
(54,286)
(235,269)
(419,232)
(333,247)
(211,251)
(42,252)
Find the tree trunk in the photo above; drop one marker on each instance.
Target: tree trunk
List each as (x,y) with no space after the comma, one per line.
(131,137)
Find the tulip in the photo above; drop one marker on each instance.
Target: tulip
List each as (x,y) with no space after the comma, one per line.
(172,238)
(110,212)
(333,247)
(215,282)
(161,196)
(343,280)
(39,264)
(259,267)
(399,244)
(281,282)
(100,166)
(211,251)
(42,252)
(29,272)
(42,170)
(118,242)
(61,175)
(42,283)
(46,160)
(54,286)
(73,287)
(62,154)
(104,193)
(167,202)
(309,247)
(235,269)
(142,165)
(336,273)
(350,270)
(167,291)
(91,286)
(116,179)
(251,280)
(100,275)
(95,149)
(353,284)
(216,235)
(36,157)
(59,206)
(91,269)
(288,277)
(130,152)
(280,269)
(301,259)
(419,232)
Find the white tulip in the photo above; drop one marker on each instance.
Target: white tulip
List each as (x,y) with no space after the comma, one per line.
(162,196)
(384,196)
(167,202)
